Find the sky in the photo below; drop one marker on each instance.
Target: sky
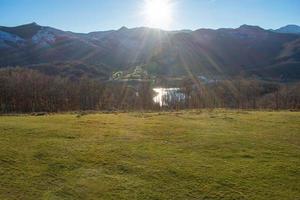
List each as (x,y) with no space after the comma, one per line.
(96,15)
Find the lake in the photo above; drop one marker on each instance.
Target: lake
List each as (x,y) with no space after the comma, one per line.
(165,95)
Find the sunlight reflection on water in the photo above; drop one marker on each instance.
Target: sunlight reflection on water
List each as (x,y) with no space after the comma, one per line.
(166,93)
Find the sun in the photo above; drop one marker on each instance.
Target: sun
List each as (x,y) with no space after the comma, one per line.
(158,13)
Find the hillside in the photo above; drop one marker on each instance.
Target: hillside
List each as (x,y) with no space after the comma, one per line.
(293,29)
(248,50)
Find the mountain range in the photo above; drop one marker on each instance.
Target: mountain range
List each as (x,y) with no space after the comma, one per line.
(247,50)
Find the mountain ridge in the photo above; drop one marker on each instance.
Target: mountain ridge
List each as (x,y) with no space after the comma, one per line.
(225,51)
(292,29)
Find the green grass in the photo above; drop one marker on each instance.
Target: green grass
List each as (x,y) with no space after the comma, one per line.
(186,155)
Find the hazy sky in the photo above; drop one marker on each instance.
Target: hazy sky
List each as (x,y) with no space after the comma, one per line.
(92,15)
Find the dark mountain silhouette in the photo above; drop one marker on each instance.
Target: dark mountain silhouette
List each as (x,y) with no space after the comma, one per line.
(294,29)
(248,50)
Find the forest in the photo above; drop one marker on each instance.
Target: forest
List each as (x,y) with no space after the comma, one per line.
(27,91)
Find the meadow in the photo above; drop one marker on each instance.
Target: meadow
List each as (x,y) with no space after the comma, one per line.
(212,155)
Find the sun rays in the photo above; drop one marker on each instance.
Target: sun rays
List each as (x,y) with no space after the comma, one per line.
(158,13)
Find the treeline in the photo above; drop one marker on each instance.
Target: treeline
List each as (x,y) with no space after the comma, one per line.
(237,93)
(24,91)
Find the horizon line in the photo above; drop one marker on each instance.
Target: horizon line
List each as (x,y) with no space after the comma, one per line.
(167,30)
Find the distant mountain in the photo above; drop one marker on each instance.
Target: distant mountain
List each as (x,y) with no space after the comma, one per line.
(24,31)
(294,29)
(248,50)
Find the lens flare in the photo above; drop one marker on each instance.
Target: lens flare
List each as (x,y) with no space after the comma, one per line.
(158,13)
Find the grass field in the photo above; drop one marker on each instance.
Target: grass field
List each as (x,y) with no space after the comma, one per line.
(186,155)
